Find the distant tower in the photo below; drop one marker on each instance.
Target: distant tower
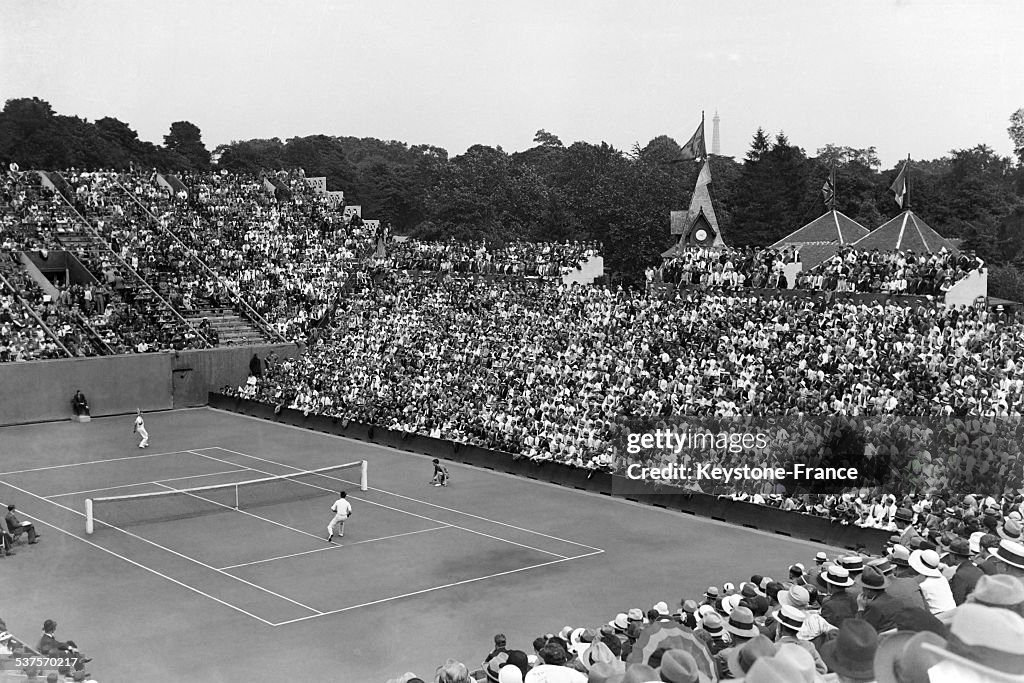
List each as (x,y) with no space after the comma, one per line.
(716,143)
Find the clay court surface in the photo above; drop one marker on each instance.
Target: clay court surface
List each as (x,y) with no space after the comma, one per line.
(422,574)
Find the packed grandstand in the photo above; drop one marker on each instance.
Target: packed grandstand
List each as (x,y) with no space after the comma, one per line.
(494,345)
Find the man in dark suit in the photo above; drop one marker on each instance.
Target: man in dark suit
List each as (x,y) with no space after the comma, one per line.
(51,647)
(967,573)
(839,605)
(17,527)
(79,404)
(877,607)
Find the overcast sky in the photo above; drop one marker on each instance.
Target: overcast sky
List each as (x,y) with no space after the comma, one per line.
(913,77)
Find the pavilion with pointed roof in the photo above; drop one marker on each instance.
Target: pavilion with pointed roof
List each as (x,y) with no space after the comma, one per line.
(905,232)
(823,237)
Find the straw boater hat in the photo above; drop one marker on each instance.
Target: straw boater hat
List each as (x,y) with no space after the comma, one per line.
(853,564)
(1010,530)
(790,617)
(925,562)
(836,576)
(1012,553)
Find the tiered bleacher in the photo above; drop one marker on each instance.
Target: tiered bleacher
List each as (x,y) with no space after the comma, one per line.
(526,259)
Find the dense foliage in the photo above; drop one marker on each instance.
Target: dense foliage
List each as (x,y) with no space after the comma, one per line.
(581,191)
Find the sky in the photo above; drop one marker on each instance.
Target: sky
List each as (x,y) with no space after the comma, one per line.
(910,77)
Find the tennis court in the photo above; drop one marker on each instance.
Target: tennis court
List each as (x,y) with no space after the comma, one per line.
(185,586)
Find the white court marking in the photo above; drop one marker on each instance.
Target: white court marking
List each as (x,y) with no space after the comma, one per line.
(388,507)
(335,546)
(315,613)
(157,482)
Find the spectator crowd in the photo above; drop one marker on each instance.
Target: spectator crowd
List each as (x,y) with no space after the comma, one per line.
(567,373)
(527,259)
(898,272)
(946,607)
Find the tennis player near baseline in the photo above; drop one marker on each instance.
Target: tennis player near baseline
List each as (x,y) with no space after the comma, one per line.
(342,510)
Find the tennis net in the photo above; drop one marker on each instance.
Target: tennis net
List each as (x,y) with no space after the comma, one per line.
(161,506)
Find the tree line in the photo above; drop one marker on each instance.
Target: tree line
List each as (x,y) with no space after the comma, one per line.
(582,191)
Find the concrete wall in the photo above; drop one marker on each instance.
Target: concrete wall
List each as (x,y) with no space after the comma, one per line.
(39,391)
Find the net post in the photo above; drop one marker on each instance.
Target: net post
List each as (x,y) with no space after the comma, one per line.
(362,476)
(89,527)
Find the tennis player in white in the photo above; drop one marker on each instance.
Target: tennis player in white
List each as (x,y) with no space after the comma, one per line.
(140,428)
(342,510)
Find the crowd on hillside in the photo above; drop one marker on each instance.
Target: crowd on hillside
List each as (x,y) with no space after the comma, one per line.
(899,272)
(567,373)
(941,604)
(528,259)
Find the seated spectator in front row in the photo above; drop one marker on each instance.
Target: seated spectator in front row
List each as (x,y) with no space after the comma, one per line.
(49,646)
(79,404)
(18,527)
(6,541)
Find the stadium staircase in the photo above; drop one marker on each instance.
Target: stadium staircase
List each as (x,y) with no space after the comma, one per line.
(231,327)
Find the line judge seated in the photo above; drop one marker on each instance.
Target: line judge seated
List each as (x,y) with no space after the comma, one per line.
(79,404)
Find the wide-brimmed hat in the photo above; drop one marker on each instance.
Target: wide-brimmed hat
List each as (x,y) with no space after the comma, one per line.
(801,660)
(731,602)
(741,623)
(790,617)
(711,593)
(712,623)
(820,557)
(987,639)
(494,665)
(796,596)
(836,576)
(925,562)
(620,622)
(873,579)
(901,659)
(904,515)
(960,547)
(1010,530)
(595,654)
(689,606)
(679,666)
(1011,553)
(852,652)
(998,590)
(661,608)
(607,672)
(635,614)
(741,658)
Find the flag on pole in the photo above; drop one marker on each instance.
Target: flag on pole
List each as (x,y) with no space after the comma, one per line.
(899,186)
(694,148)
(828,190)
